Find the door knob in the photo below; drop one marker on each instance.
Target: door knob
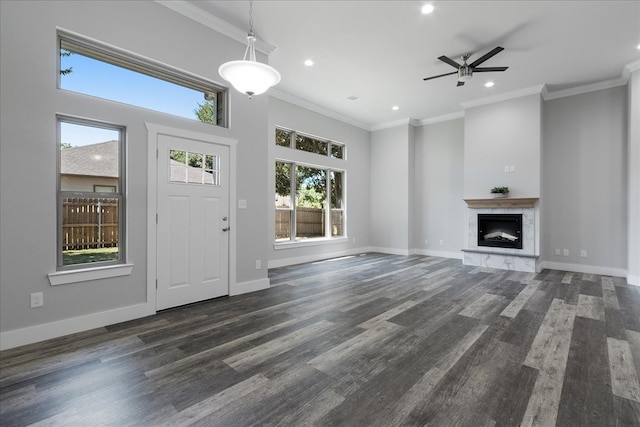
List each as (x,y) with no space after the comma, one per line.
(226,229)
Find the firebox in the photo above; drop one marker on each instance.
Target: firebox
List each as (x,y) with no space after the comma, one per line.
(500,230)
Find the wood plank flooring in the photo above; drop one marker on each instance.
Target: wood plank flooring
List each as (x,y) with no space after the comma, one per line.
(367,340)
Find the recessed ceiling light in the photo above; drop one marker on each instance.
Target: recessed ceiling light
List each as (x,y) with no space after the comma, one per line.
(638,47)
(308,63)
(489,84)
(427,9)
(395,108)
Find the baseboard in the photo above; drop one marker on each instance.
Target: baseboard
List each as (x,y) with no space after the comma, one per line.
(581,268)
(276,263)
(439,254)
(37,333)
(252,286)
(633,280)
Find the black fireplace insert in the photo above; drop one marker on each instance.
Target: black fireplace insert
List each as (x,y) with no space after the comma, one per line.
(500,230)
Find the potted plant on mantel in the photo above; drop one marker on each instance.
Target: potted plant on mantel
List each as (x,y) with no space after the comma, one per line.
(500,191)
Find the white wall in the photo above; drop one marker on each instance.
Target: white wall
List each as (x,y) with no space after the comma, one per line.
(585,179)
(356,166)
(440,212)
(500,134)
(633,179)
(389,189)
(29,103)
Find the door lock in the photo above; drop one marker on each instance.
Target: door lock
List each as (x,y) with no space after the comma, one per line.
(226,229)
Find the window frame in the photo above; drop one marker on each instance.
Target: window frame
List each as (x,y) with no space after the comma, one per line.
(120,58)
(328,165)
(120,194)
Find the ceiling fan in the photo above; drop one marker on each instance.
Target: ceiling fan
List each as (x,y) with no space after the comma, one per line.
(465,71)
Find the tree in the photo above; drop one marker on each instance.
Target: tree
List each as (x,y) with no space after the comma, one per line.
(63,54)
(206,111)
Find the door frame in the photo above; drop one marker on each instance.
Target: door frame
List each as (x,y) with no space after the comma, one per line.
(153,131)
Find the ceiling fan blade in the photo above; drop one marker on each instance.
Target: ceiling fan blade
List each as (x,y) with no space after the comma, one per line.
(460,83)
(440,75)
(486,69)
(449,61)
(486,56)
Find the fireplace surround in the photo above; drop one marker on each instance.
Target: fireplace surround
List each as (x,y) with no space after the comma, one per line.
(524,258)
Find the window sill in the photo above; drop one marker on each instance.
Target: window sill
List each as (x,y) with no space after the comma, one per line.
(310,242)
(87,274)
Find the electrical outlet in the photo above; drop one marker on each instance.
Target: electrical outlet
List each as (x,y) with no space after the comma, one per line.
(258,264)
(441,242)
(512,168)
(506,169)
(557,251)
(565,252)
(583,253)
(37,300)
(426,241)
(353,240)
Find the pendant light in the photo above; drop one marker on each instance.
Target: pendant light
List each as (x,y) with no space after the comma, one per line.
(248,75)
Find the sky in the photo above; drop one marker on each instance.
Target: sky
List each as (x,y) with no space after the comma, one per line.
(104,80)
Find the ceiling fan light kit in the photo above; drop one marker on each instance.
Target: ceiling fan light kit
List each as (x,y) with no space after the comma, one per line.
(465,71)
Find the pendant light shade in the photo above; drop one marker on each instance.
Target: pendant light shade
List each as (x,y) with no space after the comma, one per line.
(248,75)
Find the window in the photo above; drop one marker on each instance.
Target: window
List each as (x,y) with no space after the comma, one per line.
(194,168)
(315,207)
(90,193)
(292,139)
(99,70)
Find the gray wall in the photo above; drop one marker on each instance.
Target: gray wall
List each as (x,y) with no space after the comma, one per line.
(356,166)
(389,189)
(500,134)
(30,101)
(585,178)
(633,180)
(440,212)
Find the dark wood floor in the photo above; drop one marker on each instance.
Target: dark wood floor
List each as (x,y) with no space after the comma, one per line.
(370,340)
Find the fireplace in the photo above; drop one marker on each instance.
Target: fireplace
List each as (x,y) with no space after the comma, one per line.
(500,230)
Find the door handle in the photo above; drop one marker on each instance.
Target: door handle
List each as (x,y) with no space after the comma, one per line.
(226,229)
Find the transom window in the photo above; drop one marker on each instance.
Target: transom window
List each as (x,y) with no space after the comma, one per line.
(298,141)
(90,193)
(103,71)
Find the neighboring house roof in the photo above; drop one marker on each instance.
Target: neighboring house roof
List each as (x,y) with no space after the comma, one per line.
(102,160)
(194,175)
(93,160)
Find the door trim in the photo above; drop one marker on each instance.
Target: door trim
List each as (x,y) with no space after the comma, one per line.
(153,130)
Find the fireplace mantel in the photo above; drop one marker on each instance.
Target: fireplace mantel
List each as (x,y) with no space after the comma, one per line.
(502,202)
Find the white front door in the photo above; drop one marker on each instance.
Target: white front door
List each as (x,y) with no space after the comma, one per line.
(193,221)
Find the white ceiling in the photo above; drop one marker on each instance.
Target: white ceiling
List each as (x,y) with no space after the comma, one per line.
(379,51)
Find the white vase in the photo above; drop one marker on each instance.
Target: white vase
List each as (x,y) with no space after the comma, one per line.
(499,195)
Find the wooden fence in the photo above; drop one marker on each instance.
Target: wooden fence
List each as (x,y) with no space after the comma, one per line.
(310,222)
(89,222)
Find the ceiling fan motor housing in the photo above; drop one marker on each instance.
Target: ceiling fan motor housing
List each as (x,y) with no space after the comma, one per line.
(464,73)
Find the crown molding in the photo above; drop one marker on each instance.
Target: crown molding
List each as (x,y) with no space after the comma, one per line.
(533,90)
(193,12)
(276,93)
(607,84)
(443,118)
(634,66)
(401,122)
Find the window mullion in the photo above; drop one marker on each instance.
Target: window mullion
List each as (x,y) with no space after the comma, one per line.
(294,207)
(327,203)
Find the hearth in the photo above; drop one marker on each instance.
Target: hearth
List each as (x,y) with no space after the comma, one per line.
(500,230)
